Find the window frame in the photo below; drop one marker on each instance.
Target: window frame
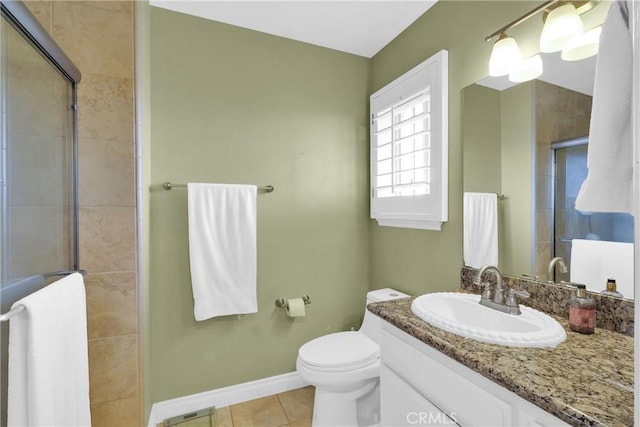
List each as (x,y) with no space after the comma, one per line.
(427,212)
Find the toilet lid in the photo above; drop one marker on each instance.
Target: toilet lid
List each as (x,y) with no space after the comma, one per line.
(343,350)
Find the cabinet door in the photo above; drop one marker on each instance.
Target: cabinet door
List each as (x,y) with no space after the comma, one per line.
(402,405)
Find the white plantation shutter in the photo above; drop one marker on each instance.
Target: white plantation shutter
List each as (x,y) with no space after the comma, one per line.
(409,148)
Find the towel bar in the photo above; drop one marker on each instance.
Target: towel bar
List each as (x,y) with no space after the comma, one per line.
(9,314)
(168,186)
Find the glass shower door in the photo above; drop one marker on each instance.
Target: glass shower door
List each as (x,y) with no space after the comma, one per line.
(38,209)
(570,170)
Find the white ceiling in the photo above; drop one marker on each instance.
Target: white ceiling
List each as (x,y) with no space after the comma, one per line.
(354,26)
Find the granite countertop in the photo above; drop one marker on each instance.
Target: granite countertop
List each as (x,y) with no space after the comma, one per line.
(585,381)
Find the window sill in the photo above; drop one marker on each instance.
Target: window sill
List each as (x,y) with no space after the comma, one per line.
(417,224)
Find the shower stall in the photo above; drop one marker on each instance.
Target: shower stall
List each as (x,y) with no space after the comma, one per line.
(38,164)
(570,170)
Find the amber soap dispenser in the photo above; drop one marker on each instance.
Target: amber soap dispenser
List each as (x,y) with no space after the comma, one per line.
(582,312)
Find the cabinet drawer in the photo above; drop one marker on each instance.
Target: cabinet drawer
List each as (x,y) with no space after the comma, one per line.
(445,386)
(401,405)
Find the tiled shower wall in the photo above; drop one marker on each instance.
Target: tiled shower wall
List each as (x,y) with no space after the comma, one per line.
(560,114)
(99,38)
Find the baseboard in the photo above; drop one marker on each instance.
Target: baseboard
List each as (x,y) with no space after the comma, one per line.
(225,396)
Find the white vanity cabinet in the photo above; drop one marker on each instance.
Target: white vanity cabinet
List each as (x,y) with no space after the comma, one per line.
(421,386)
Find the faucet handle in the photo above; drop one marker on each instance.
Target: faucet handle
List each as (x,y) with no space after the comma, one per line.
(487,292)
(512,301)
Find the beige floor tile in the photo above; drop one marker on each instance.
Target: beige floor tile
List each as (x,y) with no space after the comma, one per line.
(298,404)
(223,417)
(198,422)
(264,412)
(301,423)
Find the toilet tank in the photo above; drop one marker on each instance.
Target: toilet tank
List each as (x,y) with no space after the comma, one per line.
(371,324)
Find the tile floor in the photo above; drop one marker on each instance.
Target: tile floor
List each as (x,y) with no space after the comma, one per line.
(290,409)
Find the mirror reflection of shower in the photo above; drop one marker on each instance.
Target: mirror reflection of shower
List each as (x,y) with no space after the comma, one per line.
(569,171)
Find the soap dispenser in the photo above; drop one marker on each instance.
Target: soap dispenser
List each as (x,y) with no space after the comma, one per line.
(611,289)
(582,312)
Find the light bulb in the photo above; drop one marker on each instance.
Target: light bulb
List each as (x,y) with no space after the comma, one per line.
(504,55)
(584,46)
(563,24)
(526,70)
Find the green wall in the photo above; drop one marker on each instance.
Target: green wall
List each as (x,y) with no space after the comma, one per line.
(481,136)
(234,105)
(517,183)
(425,261)
(498,137)
(237,106)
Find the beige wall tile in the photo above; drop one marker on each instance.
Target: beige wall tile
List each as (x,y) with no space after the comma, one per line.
(41,9)
(97,39)
(111,5)
(113,368)
(121,413)
(107,239)
(105,108)
(111,304)
(107,173)
(35,240)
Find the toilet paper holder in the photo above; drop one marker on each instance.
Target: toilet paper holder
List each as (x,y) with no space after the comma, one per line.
(282,303)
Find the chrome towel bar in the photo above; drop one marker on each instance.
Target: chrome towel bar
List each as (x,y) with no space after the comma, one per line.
(19,308)
(170,186)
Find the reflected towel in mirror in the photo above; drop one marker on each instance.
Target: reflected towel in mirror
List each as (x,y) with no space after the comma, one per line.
(480,232)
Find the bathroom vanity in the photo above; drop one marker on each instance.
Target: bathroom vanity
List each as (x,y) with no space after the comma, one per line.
(433,377)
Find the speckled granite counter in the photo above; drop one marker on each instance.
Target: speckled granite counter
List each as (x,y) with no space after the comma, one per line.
(585,381)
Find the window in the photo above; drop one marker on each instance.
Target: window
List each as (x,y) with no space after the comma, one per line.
(409,147)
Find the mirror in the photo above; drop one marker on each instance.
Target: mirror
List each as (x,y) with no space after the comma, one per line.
(528,142)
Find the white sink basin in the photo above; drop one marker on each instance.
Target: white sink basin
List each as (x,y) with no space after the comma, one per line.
(463,315)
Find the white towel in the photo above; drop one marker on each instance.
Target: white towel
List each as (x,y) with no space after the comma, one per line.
(222,249)
(480,232)
(595,261)
(48,360)
(608,187)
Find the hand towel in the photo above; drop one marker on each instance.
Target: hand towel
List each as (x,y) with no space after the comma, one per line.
(608,187)
(222,249)
(595,261)
(48,357)
(480,232)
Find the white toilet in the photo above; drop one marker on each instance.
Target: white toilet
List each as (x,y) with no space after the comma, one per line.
(345,369)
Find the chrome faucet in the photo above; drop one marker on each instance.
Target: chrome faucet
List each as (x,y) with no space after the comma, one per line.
(497,300)
(498,296)
(551,269)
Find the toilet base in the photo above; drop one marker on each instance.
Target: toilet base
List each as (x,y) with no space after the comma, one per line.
(332,408)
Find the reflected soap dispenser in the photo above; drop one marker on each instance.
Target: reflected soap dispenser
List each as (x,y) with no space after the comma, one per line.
(611,289)
(582,312)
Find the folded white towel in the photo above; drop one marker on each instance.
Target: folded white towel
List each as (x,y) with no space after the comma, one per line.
(222,249)
(48,357)
(480,232)
(608,187)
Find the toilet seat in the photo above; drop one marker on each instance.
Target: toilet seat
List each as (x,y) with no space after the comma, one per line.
(339,352)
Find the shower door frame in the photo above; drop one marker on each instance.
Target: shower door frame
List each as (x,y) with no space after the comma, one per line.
(17,14)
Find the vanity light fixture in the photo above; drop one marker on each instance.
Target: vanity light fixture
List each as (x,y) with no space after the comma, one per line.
(583,46)
(562,31)
(526,70)
(562,25)
(504,56)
